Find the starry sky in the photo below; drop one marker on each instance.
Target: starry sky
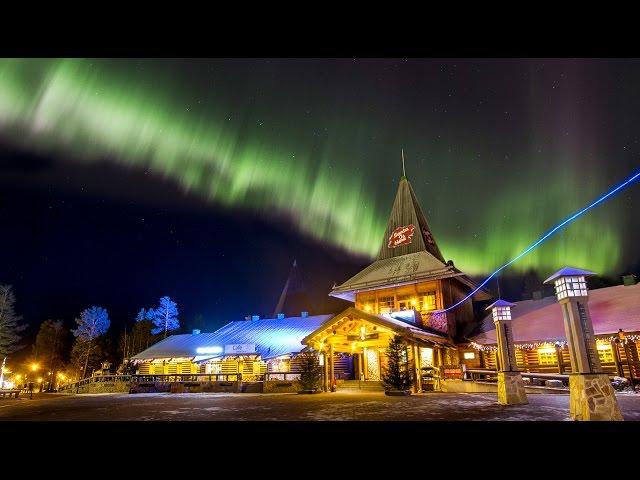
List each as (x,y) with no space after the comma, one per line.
(124,180)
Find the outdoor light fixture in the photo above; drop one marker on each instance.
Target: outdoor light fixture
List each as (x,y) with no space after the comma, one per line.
(204,350)
(34,367)
(570,282)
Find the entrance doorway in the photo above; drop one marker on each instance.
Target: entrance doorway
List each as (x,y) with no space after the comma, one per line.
(373,365)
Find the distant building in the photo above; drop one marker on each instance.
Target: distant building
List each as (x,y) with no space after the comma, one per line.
(539,335)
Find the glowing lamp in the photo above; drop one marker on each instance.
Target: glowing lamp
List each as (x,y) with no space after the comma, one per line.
(34,367)
(206,350)
(570,282)
(40,380)
(367,308)
(501,310)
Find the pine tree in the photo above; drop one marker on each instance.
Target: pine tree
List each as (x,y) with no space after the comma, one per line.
(310,373)
(165,317)
(397,374)
(93,323)
(9,322)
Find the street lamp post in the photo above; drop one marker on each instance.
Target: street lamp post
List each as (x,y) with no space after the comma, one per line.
(511,389)
(591,396)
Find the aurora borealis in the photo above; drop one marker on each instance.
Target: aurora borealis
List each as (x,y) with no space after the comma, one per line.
(498,151)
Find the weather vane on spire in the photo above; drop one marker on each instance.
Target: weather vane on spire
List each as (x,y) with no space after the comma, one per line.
(403,172)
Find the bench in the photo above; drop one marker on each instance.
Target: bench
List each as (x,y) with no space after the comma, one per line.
(4,393)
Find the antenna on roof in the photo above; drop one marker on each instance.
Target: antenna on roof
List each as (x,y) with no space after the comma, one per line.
(403,172)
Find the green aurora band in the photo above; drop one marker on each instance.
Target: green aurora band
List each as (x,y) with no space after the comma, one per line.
(97,110)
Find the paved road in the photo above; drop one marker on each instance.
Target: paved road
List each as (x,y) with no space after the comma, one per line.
(325,406)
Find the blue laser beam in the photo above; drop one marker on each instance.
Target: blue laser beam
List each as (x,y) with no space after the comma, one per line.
(555,229)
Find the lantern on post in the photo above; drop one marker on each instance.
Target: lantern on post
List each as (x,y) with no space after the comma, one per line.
(510,385)
(591,394)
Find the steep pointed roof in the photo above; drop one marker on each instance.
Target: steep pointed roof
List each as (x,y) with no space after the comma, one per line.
(408,253)
(407,228)
(294,298)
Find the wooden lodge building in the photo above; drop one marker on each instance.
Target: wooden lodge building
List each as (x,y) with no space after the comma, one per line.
(405,291)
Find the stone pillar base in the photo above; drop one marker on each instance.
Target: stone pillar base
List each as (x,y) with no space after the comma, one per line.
(511,389)
(592,398)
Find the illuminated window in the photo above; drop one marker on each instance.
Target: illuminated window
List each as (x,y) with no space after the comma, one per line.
(404,302)
(570,287)
(605,352)
(429,301)
(547,356)
(469,355)
(386,304)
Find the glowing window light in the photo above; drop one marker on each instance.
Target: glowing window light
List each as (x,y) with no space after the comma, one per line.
(547,355)
(367,308)
(205,350)
(605,352)
(469,355)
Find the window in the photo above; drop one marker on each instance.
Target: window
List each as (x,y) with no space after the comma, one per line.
(605,352)
(469,355)
(386,304)
(429,301)
(406,302)
(547,356)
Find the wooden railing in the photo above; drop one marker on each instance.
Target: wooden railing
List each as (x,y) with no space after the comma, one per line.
(185,377)
(486,374)
(97,379)
(281,376)
(192,377)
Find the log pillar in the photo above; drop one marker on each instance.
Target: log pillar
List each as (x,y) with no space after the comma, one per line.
(332,380)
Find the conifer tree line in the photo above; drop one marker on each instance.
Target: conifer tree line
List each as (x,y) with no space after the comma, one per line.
(80,351)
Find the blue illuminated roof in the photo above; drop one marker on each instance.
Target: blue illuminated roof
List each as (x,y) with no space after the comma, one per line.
(272,337)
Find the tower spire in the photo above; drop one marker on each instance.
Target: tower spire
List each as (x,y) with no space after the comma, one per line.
(403,172)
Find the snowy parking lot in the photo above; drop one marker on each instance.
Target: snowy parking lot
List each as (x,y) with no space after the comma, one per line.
(346,405)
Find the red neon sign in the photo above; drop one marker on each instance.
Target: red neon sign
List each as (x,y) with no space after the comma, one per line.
(401,236)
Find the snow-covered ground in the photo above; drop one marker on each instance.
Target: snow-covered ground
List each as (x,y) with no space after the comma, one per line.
(346,405)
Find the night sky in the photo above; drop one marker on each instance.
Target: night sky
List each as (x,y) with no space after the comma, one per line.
(125,180)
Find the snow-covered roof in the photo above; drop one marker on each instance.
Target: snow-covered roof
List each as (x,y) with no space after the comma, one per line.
(611,308)
(272,337)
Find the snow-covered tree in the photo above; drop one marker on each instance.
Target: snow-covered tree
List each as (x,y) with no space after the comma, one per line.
(165,317)
(9,322)
(144,315)
(93,322)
